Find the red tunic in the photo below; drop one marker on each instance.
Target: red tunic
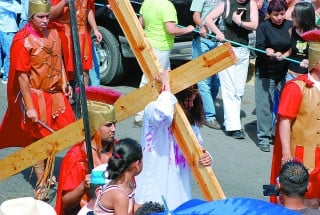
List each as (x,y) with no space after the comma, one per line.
(82,7)
(300,101)
(74,168)
(14,119)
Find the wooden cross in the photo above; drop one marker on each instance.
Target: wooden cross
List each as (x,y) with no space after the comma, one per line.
(180,78)
(181,128)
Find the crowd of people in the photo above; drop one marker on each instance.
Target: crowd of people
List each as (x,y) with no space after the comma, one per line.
(37,60)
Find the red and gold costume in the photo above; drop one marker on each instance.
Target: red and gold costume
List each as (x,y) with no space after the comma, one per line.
(75,165)
(73,170)
(300,101)
(41,58)
(82,7)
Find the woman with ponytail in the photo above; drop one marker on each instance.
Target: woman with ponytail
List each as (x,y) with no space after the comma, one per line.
(118,196)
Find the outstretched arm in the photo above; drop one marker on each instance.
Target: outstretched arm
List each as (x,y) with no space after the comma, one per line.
(164,78)
(172,28)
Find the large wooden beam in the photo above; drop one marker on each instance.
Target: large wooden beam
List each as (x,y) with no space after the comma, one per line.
(209,185)
(204,176)
(41,149)
(125,106)
(180,78)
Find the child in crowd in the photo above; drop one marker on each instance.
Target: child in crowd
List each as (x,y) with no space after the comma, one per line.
(118,196)
(150,208)
(98,178)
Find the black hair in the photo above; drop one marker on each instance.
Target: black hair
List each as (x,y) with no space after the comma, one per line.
(305,16)
(277,6)
(196,114)
(293,179)
(150,208)
(125,152)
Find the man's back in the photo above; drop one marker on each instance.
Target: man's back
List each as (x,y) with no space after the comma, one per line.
(308,211)
(155,13)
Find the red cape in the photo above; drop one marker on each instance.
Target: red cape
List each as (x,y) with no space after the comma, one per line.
(277,157)
(11,124)
(74,167)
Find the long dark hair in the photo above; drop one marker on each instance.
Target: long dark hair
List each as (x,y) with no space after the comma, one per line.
(196,114)
(305,16)
(125,152)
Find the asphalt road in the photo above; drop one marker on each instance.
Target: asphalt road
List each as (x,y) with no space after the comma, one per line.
(239,165)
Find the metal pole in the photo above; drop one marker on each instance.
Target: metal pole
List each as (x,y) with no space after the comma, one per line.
(79,74)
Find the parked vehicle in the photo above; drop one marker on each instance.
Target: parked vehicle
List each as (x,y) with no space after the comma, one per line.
(114,46)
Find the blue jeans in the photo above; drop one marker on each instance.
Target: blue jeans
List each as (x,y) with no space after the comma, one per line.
(208,87)
(289,76)
(6,40)
(22,23)
(94,73)
(1,56)
(266,96)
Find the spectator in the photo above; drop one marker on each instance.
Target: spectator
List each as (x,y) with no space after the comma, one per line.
(303,19)
(262,8)
(1,61)
(293,184)
(291,4)
(150,208)
(297,133)
(24,13)
(316,6)
(74,178)
(272,36)
(98,178)
(209,87)
(85,14)
(94,73)
(8,27)
(37,86)
(171,178)
(159,20)
(124,164)
(240,18)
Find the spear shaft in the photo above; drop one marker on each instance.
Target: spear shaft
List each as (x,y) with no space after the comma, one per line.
(80,78)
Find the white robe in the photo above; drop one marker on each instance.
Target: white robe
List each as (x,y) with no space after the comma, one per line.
(165,171)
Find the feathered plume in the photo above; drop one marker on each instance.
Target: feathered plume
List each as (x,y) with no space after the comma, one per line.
(311,36)
(101,94)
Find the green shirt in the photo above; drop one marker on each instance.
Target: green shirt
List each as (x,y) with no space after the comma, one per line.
(318,20)
(155,14)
